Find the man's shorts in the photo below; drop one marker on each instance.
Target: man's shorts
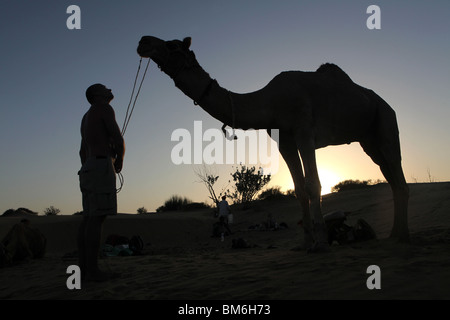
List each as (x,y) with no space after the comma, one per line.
(98,187)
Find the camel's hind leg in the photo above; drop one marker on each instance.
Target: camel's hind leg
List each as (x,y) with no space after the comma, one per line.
(288,149)
(387,155)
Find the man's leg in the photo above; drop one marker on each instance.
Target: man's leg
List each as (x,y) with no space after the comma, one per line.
(93,238)
(81,242)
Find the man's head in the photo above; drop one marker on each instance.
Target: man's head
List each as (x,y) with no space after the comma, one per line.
(99,94)
(224,197)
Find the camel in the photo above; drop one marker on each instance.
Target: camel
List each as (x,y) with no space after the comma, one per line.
(311,110)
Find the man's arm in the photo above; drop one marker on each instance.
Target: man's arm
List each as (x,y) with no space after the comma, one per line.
(117,139)
(82,152)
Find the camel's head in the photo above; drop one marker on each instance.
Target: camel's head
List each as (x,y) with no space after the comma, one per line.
(171,56)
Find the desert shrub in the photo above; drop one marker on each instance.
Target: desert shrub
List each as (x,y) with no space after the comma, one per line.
(174,203)
(247,183)
(142,210)
(273,193)
(291,193)
(52,211)
(209,179)
(195,206)
(351,185)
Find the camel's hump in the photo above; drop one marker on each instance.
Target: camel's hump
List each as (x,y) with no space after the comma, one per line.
(334,71)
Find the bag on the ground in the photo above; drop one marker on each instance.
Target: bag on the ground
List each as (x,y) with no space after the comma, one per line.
(117,245)
(115,240)
(342,233)
(363,231)
(136,244)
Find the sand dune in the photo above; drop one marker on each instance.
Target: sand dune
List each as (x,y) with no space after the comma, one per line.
(182,261)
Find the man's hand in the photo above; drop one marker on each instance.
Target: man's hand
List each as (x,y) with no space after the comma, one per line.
(118,165)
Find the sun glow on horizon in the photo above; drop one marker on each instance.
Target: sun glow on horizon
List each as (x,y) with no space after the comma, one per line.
(328,179)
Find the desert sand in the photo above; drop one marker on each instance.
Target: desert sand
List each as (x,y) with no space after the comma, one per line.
(182,261)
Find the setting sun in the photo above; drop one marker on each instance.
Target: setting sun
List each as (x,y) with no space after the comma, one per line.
(328,179)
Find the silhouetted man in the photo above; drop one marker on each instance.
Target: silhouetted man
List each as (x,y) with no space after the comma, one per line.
(224,212)
(102,151)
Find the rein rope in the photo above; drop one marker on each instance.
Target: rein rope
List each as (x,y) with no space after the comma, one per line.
(128,116)
(130,111)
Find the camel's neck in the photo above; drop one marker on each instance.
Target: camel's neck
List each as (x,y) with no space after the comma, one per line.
(219,103)
(234,110)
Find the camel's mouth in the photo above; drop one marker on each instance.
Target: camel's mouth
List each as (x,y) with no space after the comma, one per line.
(143,49)
(148,46)
(143,53)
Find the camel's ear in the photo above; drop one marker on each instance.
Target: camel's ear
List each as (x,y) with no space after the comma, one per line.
(186,42)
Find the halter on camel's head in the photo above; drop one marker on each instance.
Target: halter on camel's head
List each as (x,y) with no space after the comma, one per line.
(172,57)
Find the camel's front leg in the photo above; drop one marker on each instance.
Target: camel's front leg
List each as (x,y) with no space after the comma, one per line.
(313,188)
(289,151)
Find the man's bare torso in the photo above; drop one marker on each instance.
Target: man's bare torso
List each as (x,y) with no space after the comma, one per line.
(100,133)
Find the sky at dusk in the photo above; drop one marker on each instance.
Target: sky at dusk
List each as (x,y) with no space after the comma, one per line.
(45,69)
